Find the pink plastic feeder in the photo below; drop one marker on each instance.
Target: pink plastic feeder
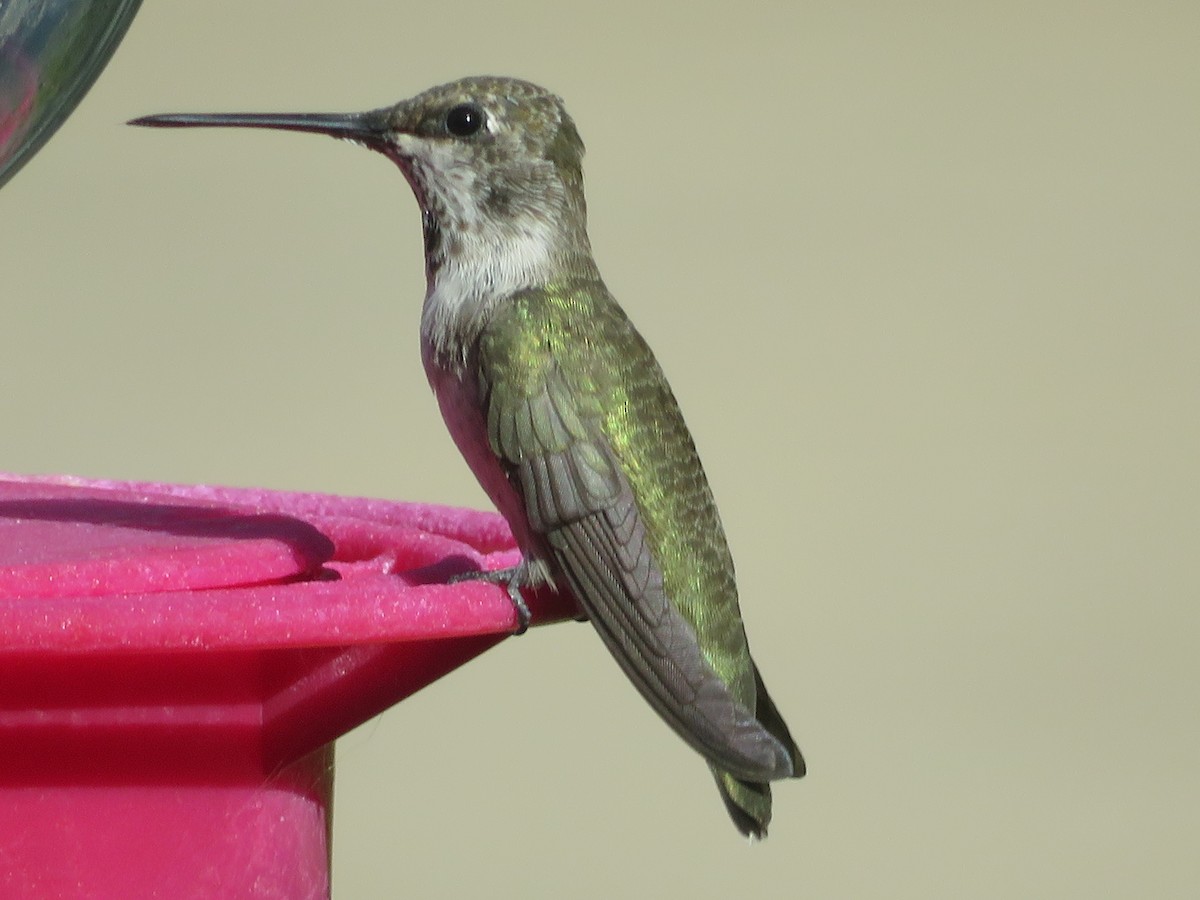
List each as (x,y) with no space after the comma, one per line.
(176,662)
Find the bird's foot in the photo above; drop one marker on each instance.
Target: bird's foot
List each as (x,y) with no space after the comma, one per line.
(508,578)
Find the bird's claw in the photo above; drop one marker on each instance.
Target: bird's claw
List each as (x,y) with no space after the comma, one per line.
(507,578)
(522,608)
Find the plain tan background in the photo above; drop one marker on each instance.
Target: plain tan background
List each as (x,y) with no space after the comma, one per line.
(925,278)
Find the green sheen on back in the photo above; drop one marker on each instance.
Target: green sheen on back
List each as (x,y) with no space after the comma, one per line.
(617,393)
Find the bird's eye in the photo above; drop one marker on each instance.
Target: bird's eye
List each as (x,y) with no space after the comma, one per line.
(464,120)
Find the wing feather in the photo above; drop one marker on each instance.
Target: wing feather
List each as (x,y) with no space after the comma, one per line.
(582,506)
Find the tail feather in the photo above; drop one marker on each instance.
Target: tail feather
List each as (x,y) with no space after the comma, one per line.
(749,802)
(765,712)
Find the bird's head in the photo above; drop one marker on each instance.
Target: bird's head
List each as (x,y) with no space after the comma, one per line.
(494,163)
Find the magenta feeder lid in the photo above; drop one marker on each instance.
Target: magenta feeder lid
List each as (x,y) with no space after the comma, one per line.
(176,662)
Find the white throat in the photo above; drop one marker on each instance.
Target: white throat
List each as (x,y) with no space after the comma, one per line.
(478,256)
(480,271)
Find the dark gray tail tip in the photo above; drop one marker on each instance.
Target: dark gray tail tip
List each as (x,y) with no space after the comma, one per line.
(748,825)
(799,768)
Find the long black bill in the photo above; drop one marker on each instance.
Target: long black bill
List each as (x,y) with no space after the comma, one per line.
(368,127)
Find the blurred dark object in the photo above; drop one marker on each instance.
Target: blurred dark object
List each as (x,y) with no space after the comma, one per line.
(51,51)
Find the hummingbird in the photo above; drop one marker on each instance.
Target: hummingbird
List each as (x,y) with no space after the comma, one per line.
(563,413)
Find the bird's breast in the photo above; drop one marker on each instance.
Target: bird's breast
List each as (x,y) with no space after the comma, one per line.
(458,398)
